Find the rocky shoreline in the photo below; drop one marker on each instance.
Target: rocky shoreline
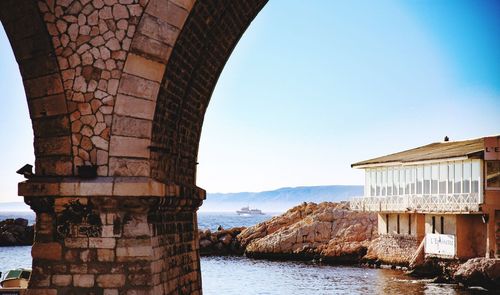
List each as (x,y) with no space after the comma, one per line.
(327,232)
(333,234)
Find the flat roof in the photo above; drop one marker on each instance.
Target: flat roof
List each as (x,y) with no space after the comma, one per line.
(433,151)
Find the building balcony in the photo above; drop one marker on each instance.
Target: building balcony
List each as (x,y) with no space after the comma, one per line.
(452,203)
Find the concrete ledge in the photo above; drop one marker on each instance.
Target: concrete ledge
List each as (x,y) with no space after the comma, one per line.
(103,187)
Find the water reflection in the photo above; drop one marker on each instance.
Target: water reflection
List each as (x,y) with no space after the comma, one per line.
(238,275)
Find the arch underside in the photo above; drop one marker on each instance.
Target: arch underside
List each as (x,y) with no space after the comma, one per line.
(207,40)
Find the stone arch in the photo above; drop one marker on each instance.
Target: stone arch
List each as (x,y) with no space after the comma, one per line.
(123,86)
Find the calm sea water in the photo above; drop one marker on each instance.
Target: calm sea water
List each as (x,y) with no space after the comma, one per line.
(240,275)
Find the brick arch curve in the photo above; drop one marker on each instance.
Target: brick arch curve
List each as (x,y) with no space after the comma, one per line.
(177,54)
(43,85)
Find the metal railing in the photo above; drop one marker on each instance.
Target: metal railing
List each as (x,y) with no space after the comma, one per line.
(420,203)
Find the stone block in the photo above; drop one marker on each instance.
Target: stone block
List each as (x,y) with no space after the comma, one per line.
(186,4)
(76,242)
(102,243)
(53,146)
(134,252)
(169,12)
(111,280)
(81,268)
(37,189)
(46,251)
(51,126)
(54,166)
(110,292)
(158,29)
(95,189)
(48,106)
(139,87)
(136,225)
(154,49)
(128,167)
(131,127)
(105,255)
(129,147)
(134,107)
(137,189)
(140,66)
(43,86)
(83,280)
(61,280)
(108,232)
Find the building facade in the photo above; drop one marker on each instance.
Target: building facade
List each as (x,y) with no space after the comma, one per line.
(445,194)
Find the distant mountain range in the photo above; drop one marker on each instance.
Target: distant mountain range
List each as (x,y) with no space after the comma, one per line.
(281,199)
(278,200)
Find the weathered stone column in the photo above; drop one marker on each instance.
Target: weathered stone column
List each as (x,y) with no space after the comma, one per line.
(113,235)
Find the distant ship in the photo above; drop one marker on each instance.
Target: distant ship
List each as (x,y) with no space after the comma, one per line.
(247,211)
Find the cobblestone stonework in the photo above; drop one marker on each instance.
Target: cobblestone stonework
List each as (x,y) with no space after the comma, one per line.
(91,40)
(122,86)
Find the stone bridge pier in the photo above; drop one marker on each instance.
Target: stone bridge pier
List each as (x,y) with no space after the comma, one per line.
(117,91)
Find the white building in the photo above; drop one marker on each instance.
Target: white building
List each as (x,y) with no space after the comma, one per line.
(445,192)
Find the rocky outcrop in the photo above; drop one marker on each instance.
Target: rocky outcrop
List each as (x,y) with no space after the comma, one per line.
(482,272)
(16,232)
(222,242)
(394,250)
(327,231)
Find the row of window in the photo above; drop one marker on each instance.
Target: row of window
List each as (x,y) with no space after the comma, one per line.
(440,178)
(398,224)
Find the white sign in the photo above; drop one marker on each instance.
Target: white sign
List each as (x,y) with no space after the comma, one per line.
(440,244)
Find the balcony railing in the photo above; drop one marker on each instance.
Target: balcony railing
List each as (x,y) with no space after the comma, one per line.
(419,203)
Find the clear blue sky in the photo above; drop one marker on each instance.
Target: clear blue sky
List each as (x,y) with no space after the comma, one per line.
(314,86)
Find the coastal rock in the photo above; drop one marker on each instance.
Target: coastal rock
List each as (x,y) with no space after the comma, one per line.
(16,232)
(482,272)
(222,242)
(394,250)
(329,231)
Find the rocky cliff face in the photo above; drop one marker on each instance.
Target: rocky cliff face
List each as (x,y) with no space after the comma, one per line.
(329,231)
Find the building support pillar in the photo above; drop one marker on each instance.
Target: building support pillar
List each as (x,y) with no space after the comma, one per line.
(113,236)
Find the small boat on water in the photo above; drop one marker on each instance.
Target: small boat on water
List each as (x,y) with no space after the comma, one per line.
(16,278)
(247,211)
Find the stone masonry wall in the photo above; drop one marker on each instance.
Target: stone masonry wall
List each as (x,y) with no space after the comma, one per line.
(392,249)
(113,246)
(91,40)
(176,266)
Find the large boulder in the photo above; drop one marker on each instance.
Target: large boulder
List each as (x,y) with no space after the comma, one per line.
(16,232)
(329,231)
(482,272)
(221,242)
